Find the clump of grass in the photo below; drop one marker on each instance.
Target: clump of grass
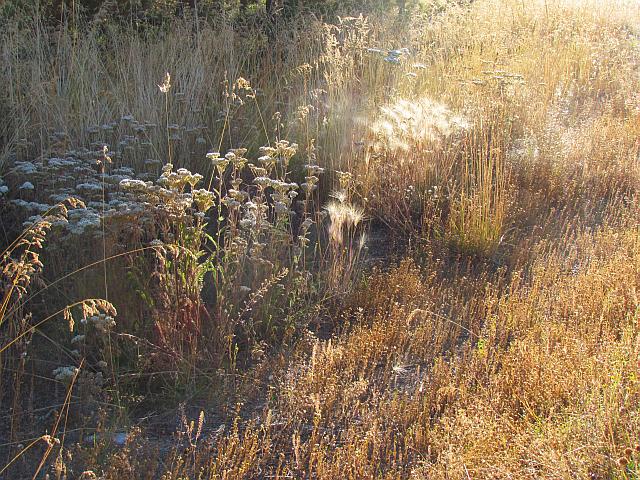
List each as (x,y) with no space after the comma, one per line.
(478,209)
(347,238)
(501,135)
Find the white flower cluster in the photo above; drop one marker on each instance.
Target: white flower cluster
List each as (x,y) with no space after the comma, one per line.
(75,176)
(174,192)
(102,322)
(65,374)
(90,174)
(80,219)
(280,154)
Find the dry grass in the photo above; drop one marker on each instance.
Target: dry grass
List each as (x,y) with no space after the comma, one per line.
(502,145)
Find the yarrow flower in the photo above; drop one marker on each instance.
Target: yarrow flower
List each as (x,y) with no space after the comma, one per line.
(217,161)
(314,169)
(102,322)
(134,185)
(262,181)
(203,198)
(178,180)
(65,374)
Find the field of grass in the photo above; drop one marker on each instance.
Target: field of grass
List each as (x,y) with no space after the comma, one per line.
(347,245)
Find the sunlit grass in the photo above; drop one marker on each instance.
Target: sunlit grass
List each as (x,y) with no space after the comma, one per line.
(364,247)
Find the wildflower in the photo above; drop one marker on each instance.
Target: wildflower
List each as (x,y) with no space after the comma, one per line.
(258,171)
(268,151)
(238,160)
(238,195)
(312,179)
(102,322)
(284,151)
(278,185)
(248,223)
(262,181)
(65,374)
(194,179)
(80,219)
(89,187)
(219,162)
(26,168)
(231,202)
(306,223)
(204,199)
(308,187)
(177,181)
(314,169)
(266,160)
(280,208)
(133,185)
(344,178)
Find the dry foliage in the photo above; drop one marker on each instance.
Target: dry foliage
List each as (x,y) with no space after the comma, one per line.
(497,139)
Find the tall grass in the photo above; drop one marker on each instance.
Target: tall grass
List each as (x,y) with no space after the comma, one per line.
(496,139)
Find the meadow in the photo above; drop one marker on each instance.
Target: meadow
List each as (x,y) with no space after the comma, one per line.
(345,240)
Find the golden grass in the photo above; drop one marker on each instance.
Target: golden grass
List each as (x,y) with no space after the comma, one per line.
(504,144)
